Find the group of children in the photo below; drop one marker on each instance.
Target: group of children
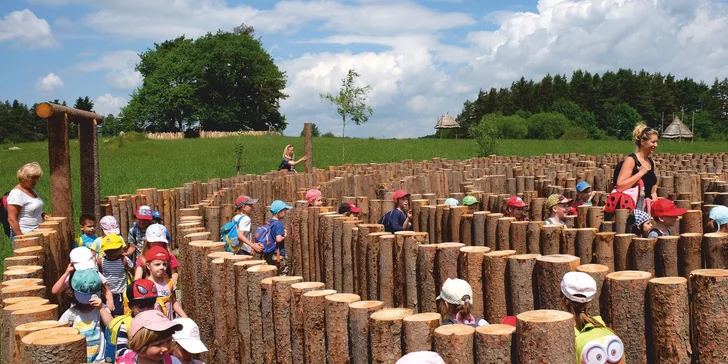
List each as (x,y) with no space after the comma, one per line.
(122,294)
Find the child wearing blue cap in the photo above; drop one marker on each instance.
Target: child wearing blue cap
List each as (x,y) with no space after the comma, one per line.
(272,236)
(719,218)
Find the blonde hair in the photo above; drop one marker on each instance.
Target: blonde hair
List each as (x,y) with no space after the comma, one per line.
(28,171)
(285,152)
(464,310)
(144,337)
(581,318)
(641,133)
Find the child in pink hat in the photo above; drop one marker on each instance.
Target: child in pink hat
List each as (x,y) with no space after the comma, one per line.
(151,339)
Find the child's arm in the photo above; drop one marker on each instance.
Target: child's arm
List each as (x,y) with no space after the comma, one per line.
(176,306)
(103,311)
(138,273)
(175,277)
(122,341)
(109,298)
(130,250)
(61,285)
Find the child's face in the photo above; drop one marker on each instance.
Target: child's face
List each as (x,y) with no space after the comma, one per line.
(180,353)
(668,221)
(157,349)
(517,212)
(647,227)
(472,208)
(319,201)
(247,209)
(143,224)
(113,254)
(584,195)
(89,227)
(281,214)
(157,268)
(403,203)
(561,210)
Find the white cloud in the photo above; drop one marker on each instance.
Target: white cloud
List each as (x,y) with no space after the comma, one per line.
(48,84)
(107,104)
(120,66)
(25,29)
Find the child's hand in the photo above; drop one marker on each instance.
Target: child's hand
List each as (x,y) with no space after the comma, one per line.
(174,283)
(96,302)
(257,247)
(591,195)
(70,269)
(409,214)
(110,305)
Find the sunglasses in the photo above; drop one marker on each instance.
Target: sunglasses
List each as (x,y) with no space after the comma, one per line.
(647,130)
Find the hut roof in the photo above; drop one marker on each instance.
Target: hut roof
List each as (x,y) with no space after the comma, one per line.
(677,130)
(446,121)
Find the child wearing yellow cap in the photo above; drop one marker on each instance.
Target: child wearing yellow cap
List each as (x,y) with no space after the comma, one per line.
(115,267)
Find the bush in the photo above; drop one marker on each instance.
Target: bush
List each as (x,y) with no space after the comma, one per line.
(547,126)
(484,134)
(575,133)
(328,135)
(512,127)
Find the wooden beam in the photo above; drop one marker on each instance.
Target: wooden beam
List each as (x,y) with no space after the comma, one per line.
(46,110)
(59,160)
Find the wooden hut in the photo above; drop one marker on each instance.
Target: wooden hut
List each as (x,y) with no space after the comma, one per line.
(446,121)
(677,130)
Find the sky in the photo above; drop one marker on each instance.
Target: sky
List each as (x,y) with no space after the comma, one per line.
(422,58)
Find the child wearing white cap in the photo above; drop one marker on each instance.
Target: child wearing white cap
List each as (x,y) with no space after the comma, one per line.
(456,302)
(594,341)
(188,342)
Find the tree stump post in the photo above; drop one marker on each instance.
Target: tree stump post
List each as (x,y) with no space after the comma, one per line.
(471,270)
(604,249)
(620,221)
(55,345)
(623,251)
(568,241)
(626,311)
(348,255)
(599,273)
(518,233)
(456,214)
(503,233)
(479,218)
(545,336)
(643,254)
(494,344)
(491,230)
(520,272)
(496,285)
(551,239)
(692,222)
(255,309)
(385,332)
(689,254)
(282,316)
(419,331)
(666,256)
(359,313)
(426,277)
(585,244)
(298,317)
(466,229)
(372,242)
(455,343)
(314,303)
(412,242)
(447,262)
(550,269)
(242,323)
(337,326)
(266,312)
(385,274)
(533,237)
(709,293)
(670,314)
(715,250)
(362,243)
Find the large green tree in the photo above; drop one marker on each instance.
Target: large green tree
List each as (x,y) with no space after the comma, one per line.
(223,81)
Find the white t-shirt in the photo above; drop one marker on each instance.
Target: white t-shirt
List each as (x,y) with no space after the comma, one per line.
(244,227)
(31,210)
(89,325)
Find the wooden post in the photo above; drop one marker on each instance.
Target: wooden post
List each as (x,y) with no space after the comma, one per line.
(385,332)
(666,260)
(494,344)
(348,255)
(625,306)
(503,233)
(314,302)
(282,316)
(585,244)
(359,313)
(412,241)
(59,162)
(715,250)
(599,273)
(89,159)
(620,221)
(337,322)
(455,343)
(24,330)
(518,233)
(708,297)
(551,239)
(426,277)
(372,274)
(56,345)
(362,244)
(308,146)
(670,320)
(496,286)
(692,222)
(479,218)
(689,253)
(212,221)
(643,254)
(456,214)
(622,251)
(16,317)
(298,321)
(549,271)
(545,336)
(255,305)
(419,330)
(266,312)
(521,276)
(466,229)
(242,322)
(471,270)
(491,230)
(604,249)
(533,237)
(447,262)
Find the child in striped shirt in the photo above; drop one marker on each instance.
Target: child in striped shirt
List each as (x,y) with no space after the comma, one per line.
(114,266)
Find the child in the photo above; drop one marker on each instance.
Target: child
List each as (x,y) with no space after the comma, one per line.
(665,214)
(108,225)
(557,208)
(88,232)
(279,234)
(456,298)
(641,223)
(137,232)
(398,219)
(157,219)
(314,199)
(151,340)
(421,357)
(88,312)
(141,295)
(157,259)
(156,235)
(114,266)
(81,260)
(719,218)
(592,335)
(188,341)
(584,194)
(244,243)
(452,202)
(515,207)
(472,203)
(349,209)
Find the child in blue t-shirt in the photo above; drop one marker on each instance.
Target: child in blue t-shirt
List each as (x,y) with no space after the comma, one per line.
(398,219)
(278,258)
(88,233)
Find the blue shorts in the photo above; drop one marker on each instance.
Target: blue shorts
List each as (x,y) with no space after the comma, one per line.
(118,304)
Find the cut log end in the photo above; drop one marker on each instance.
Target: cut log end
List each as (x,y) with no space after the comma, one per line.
(710,272)
(475,249)
(558,258)
(423,317)
(669,280)
(343,297)
(593,268)
(454,330)
(307,286)
(524,256)
(626,275)
(501,253)
(544,316)
(366,304)
(323,292)
(391,314)
(495,329)
(260,268)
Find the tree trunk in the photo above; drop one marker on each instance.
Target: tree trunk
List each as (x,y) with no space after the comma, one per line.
(666,260)
(518,233)
(520,273)
(626,311)
(241,326)
(623,251)
(604,249)
(550,269)
(412,243)
(56,345)
(670,320)
(426,277)
(494,344)
(385,272)
(255,301)
(709,296)
(533,237)
(568,241)
(599,273)
(496,286)
(545,336)
(362,244)
(689,254)
(503,233)
(266,312)
(454,343)
(551,239)
(298,320)
(419,331)
(24,330)
(471,270)
(337,331)
(385,332)
(282,316)
(314,302)
(715,250)
(359,313)
(585,244)
(643,254)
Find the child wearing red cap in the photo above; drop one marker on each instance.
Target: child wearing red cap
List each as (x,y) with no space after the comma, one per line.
(349,209)
(665,214)
(245,244)
(515,207)
(398,219)
(157,259)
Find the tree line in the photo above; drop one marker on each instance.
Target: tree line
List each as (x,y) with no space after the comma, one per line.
(597,106)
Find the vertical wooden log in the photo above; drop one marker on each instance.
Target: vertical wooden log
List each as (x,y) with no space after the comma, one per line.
(585,244)
(491,230)
(620,221)
(622,251)
(708,297)
(494,344)
(298,321)
(479,228)
(518,233)
(255,309)
(568,241)
(471,270)
(595,216)
(308,146)
(533,237)
(545,336)
(362,244)
(327,240)
(411,246)
(520,273)
(692,222)
(218,284)
(604,249)
(670,320)
(666,261)
(59,162)
(550,239)
(242,323)
(385,270)
(359,313)
(496,285)
(419,331)
(447,262)
(549,271)
(643,254)
(200,280)
(372,274)
(400,268)
(599,273)
(348,255)
(689,254)
(715,250)
(455,343)
(337,322)
(626,309)
(581,217)
(426,276)
(385,332)
(314,302)
(439,211)
(466,229)
(282,316)
(503,233)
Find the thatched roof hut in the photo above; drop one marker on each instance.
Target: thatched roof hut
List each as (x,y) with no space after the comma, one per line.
(677,130)
(446,121)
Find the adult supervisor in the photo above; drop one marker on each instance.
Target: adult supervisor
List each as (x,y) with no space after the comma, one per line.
(289,163)
(25,207)
(639,166)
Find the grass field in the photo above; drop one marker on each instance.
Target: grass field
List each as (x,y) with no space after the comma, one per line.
(130,165)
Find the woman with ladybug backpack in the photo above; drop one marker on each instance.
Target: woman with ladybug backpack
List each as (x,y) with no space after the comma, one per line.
(634,178)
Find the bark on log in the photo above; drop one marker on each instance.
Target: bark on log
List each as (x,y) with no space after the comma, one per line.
(568,241)
(666,261)
(419,331)
(533,237)
(24,330)
(282,316)
(359,313)
(503,233)
(314,303)
(643,254)
(545,336)
(242,323)
(620,221)
(56,345)
(599,273)
(16,315)
(456,214)
(447,262)
(466,229)
(386,272)
(520,273)
(361,256)
(709,293)
(455,343)
(496,285)
(692,222)
(385,332)
(626,311)
(491,230)
(595,216)
(471,270)
(518,233)
(426,276)
(623,251)
(549,271)
(479,228)
(715,250)
(372,277)
(604,249)
(585,244)
(494,344)
(669,309)
(348,255)
(266,313)
(689,254)
(7,337)
(218,284)
(337,322)
(412,242)
(298,320)
(550,239)
(255,301)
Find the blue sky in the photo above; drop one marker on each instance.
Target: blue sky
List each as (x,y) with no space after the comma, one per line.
(422,58)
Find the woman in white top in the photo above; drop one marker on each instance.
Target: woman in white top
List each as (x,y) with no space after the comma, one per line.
(25,207)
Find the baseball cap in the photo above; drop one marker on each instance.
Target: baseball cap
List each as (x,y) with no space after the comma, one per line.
(451,202)
(556,199)
(244,200)
(581,186)
(85,284)
(348,207)
(157,253)
(641,217)
(189,336)
(109,225)
(82,259)
(453,291)
(141,289)
(469,200)
(111,242)
(719,214)
(665,207)
(144,212)
(516,201)
(399,194)
(278,205)
(312,194)
(152,320)
(578,287)
(421,357)
(156,233)
(156,215)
